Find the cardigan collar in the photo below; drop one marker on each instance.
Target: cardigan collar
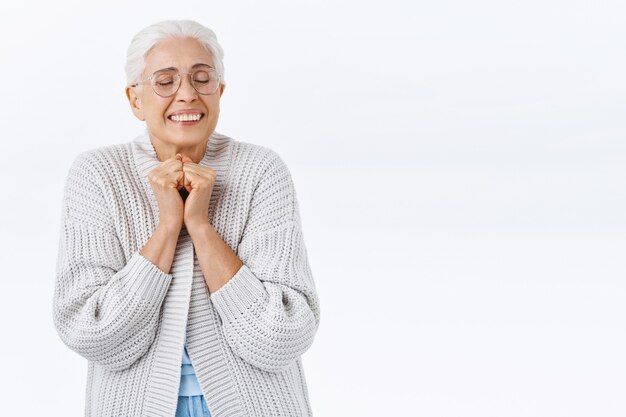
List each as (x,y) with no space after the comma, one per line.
(216,157)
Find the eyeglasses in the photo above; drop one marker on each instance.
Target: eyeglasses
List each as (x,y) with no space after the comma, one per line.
(166,82)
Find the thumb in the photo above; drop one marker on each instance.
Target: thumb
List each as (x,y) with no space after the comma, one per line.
(186,181)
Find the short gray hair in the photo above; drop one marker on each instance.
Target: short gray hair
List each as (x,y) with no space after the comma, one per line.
(146,39)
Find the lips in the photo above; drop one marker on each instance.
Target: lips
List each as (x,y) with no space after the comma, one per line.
(186,116)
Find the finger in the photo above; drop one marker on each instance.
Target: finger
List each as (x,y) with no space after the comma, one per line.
(193,172)
(198,169)
(166,180)
(187,179)
(178,179)
(200,178)
(195,176)
(172,179)
(185,158)
(171,164)
(186,163)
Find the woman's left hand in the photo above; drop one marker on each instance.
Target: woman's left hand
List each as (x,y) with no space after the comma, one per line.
(198,181)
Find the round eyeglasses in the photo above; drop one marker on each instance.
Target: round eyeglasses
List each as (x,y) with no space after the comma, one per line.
(166,82)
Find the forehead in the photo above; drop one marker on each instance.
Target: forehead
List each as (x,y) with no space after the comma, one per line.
(177,53)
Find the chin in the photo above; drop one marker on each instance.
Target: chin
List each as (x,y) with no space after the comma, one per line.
(188,139)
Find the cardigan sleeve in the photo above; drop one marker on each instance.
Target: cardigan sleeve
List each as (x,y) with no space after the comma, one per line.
(106,306)
(269,308)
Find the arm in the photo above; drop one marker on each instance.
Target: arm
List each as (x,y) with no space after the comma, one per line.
(269,308)
(106,307)
(161,246)
(217,260)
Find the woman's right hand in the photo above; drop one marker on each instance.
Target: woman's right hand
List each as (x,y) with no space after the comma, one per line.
(165,180)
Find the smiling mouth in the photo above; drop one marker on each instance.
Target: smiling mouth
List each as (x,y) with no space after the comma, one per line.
(186,117)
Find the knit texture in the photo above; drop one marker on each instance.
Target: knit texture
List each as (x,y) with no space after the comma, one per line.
(128,318)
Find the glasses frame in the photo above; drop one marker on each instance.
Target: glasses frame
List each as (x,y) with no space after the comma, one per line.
(178,79)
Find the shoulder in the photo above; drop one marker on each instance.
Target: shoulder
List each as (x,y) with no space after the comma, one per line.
(91,180)
(98,164)
(257,162)
(264,173)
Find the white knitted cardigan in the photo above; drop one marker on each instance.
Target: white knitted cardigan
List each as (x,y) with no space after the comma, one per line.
(128,318)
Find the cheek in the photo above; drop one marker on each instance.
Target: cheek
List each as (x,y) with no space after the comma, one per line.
(157,114)
(214,109)
(154,106)
(212,104)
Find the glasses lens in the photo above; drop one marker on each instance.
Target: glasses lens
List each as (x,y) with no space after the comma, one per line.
(205,81)
(165,83)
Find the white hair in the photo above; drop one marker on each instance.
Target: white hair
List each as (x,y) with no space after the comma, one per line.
(146,39)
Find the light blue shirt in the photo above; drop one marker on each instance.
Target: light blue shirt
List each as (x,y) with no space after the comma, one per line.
(189,384)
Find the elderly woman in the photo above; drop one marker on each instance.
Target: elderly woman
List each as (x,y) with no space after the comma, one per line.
(182,274)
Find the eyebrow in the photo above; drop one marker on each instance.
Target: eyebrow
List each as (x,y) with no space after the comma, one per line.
(193,67)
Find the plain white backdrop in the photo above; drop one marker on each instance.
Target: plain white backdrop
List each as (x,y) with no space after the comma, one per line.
(461,173)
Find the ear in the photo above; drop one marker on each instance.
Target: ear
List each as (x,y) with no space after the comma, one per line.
(135,102)
(222,87)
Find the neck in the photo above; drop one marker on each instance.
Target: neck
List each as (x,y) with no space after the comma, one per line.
(168,151)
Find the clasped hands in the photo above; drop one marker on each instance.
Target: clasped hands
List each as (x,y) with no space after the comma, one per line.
(169,177)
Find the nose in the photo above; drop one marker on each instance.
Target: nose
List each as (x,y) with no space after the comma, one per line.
(186,92)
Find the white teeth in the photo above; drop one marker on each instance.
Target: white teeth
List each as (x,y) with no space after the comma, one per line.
(186,117)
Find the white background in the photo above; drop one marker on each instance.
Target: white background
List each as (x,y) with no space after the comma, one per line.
(460,168)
